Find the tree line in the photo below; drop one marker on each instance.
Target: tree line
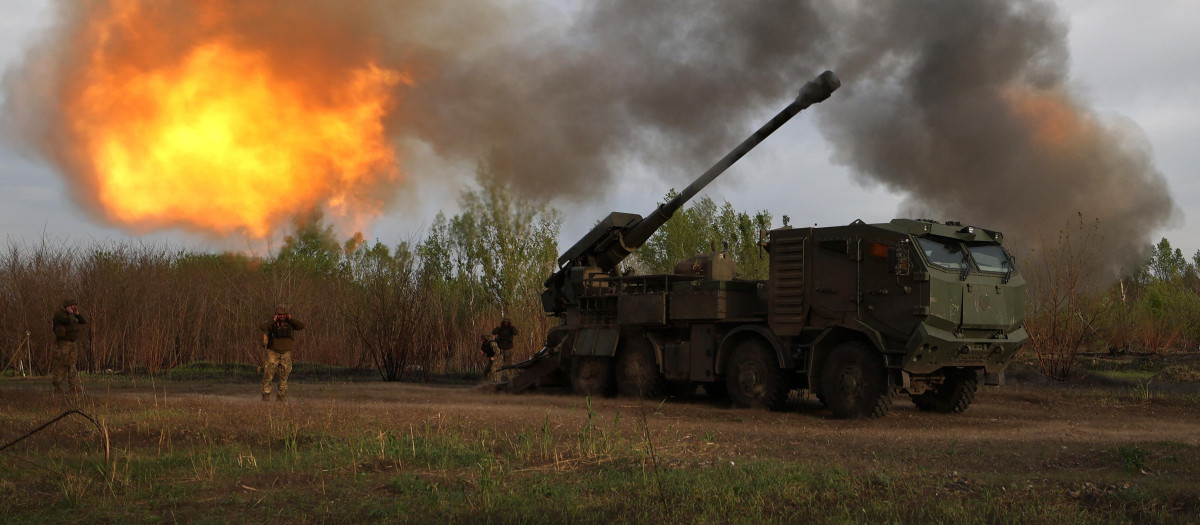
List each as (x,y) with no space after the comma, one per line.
(421,304)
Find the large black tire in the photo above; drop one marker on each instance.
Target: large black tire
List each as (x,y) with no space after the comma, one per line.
(753,377)
(952,396)
(854,382)
(637,369)
(592,376)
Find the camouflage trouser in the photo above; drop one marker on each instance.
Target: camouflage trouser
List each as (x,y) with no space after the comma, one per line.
(276,360)
(492,374)
(505,357)
(63,366)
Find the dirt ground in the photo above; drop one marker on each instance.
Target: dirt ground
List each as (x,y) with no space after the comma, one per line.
(1008,416)
(1065,449)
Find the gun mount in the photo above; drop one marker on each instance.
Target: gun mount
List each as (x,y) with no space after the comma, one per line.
(620,234)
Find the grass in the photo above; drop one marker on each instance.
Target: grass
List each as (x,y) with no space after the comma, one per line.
(1179,374)
(206,370)
(1124,375)
(1140,366)
(194,461)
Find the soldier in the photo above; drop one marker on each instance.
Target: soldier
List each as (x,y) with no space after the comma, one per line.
(280,340)
(488,349)
(504,344)
(67,324)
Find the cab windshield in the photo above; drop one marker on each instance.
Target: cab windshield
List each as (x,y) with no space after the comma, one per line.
(943,253)
(990,258)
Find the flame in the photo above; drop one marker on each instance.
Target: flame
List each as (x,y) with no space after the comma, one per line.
(220,139)
(1056,124)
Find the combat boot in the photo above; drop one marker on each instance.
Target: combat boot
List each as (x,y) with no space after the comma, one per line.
(266,397)
(281,398)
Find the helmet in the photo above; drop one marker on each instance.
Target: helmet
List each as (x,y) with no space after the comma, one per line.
(281,309)
(67,303)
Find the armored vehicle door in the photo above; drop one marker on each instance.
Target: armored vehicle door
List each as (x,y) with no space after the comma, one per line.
(891,294)
(836,254)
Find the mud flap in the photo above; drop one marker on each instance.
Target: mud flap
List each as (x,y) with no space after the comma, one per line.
(539,372)
(597,341)
(996,379)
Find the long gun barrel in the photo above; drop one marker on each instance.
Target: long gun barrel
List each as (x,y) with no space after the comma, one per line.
(813,92)
(611,241)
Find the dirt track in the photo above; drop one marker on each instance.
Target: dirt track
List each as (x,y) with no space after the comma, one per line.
(1017,417)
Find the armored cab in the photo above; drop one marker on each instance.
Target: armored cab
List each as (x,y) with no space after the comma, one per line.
(855,314)
(930,309)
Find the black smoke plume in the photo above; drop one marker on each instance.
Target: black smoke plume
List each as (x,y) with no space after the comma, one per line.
(965,108)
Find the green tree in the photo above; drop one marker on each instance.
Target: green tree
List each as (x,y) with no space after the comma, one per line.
(312,245)
(1167,263)
(700,227)
(498,251)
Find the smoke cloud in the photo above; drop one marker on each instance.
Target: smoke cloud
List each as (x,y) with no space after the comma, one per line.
(963,107)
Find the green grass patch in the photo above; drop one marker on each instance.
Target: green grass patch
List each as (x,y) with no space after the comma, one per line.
(1124,375)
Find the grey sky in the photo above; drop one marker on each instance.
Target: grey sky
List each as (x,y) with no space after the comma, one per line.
(1127,60)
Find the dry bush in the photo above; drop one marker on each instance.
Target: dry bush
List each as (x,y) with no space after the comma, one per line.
(33,283)
(150,308)
(1064,305)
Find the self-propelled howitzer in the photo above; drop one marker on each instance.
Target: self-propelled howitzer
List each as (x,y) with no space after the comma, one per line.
(854,315)
(619,234)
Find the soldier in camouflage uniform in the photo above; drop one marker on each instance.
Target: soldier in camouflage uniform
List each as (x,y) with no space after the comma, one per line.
(280,340)
(503,344)
(488,349)
(67,324)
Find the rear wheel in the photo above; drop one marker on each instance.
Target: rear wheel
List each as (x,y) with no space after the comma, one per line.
(953,396)
(637,369)
(753,377)
(592,376)
(854,383)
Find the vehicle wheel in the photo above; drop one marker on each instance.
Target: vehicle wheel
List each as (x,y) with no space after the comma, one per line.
(753,377)
(592,376)
(854,382)
(637,369)
(953,396)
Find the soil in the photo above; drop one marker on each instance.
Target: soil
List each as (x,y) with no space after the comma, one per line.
(1015,415)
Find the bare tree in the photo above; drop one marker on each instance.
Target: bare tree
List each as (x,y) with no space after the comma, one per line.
(1064,303)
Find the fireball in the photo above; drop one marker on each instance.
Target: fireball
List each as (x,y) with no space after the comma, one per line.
(202,130)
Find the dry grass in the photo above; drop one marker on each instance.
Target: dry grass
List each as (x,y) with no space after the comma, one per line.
(393,452)
(151,308)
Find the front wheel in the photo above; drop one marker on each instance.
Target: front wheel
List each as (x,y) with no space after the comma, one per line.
(854,382)
(753,377)
(953,396)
